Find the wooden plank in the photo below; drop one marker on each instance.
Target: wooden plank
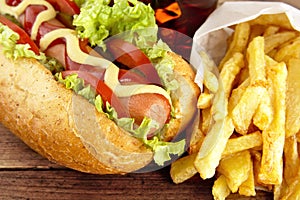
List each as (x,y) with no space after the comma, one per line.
(26,175)
(67,184)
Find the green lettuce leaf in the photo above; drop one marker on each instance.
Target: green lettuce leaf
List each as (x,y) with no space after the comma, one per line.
(164,64)
(98,20)
(162,150)
(12,50)
(52,65)
(77,84)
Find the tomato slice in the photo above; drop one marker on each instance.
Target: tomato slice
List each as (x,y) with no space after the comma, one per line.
(65,6)
(129,55)
(102,89)
(24,37)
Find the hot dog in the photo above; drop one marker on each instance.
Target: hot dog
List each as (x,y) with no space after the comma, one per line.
(84,112)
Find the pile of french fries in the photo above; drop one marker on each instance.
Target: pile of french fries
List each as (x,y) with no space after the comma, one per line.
(249,137)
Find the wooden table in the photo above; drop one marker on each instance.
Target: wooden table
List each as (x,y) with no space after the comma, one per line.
(26,175)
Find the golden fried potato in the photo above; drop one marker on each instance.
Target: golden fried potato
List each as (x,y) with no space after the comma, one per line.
(280,20)
(271,171)
(183,169)
(293,98)
(236,169)
(291,159)
(205,100)
(237,94)
(239,42)
(288,51)
(275,40)
(270,30)
(209,156)
(256,60)
(242,143)
(247,188)
(244,111)
(230,70)
(220,188)
(249,135)
(264,113)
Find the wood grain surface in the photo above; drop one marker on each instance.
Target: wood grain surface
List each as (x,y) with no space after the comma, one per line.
(24,174)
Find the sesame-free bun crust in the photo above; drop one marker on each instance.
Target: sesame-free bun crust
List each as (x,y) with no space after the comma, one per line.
(67,129)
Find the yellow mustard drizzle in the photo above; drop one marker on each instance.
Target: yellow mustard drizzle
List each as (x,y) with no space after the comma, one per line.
(73,48)
(111,79)
(43,16)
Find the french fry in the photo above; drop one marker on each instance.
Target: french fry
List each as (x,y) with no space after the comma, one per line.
(247,188)
(239,42)
(275,40)
(230,70)
(209,156)
(243,112)
(279,190)
(236,169)
(293,98)
(205,100)
(256,60)
(207,61)
(280,20)
(291,159)
(242,143)
(210,81)
(270,30)
(220,189)
(264,113)
(215,141)
(273,137)
(249,135)
(183,169)
(288,51)
(206,120)
(292,191)
(237,94)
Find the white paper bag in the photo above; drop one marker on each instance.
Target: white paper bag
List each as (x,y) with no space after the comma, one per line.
(211,36)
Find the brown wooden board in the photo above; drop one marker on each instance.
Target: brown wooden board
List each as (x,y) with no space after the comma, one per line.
(24,174)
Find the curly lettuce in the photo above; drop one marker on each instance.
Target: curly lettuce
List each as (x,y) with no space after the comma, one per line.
(98,20)
(12,50)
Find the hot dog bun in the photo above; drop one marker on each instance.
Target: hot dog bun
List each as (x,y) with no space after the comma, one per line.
(184,98)
(67,129)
